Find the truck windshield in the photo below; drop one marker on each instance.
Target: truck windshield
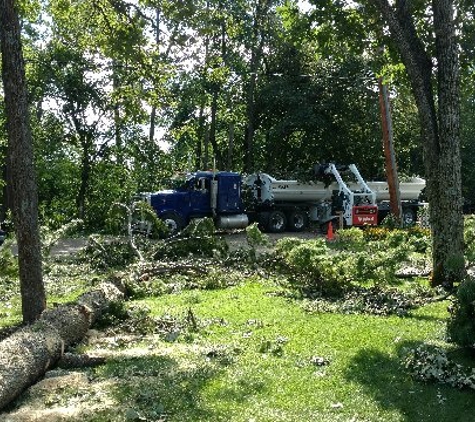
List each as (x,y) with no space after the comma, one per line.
(175,183)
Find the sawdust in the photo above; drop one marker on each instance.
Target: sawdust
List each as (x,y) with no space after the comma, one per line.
(70,395)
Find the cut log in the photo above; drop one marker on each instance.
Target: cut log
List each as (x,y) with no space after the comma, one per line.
(27,354)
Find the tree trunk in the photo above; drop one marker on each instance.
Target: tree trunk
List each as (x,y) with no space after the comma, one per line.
(199,155)
(26,355)
(230,147)
(250,128)
(262,8)
(201,158)
(117,119)
(81,196)
(206,162)
(389,154)
(212,130)
(447,217)
(22,180)
(440,129)
(86,168)
(153,113)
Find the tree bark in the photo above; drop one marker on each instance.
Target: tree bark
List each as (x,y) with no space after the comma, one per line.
(86,140)
(230,147)
(22,177)
(26,355)
(447,217)
(117,117)
(199,153)
(84,185)
(389,154)
(440,128)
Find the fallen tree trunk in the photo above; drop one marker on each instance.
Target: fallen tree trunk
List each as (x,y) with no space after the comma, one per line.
(27,354)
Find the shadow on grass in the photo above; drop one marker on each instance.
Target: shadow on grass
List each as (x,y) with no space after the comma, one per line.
(241,391)
(386,380)
(158,385)
(428,318)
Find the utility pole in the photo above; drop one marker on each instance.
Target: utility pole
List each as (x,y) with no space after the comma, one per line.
(388,147)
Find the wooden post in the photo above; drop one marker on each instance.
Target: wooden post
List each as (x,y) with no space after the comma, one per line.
(388,147)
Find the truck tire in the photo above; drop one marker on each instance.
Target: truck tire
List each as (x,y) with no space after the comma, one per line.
(277,222)
(297,221)
(173,222)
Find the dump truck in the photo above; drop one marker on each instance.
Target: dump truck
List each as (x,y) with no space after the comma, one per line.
(338,194)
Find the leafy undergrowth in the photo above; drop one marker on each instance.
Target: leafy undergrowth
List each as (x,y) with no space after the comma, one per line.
(224,336)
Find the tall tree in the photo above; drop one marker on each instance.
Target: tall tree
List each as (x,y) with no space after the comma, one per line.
(439,114)
(22,179)
(257,40)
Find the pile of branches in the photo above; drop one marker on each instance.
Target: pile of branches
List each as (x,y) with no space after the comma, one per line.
(374,301)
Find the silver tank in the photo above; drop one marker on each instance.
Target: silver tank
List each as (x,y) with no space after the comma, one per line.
(237,221)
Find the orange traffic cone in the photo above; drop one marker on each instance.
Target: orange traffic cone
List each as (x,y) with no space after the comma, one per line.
(330,231)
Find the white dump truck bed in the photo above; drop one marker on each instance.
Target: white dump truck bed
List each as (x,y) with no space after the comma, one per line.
(291,190)
(409,190)
(275,190)
(295,191)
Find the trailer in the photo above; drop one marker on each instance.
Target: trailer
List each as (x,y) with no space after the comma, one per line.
(290,204)
(410,194)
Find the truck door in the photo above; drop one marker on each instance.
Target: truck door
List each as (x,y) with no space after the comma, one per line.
(200,199)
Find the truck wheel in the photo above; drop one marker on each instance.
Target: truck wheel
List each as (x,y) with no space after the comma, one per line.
(298,221)
(173,222)
(408,217)
(277,222)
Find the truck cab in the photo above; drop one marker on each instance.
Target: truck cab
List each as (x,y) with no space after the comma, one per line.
(201,194)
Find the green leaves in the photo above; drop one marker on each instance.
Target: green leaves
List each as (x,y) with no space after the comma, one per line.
(357,257)
(461,325)
(431,364)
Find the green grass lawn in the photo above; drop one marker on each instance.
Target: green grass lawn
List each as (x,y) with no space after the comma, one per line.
(257,356)
(248,352)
